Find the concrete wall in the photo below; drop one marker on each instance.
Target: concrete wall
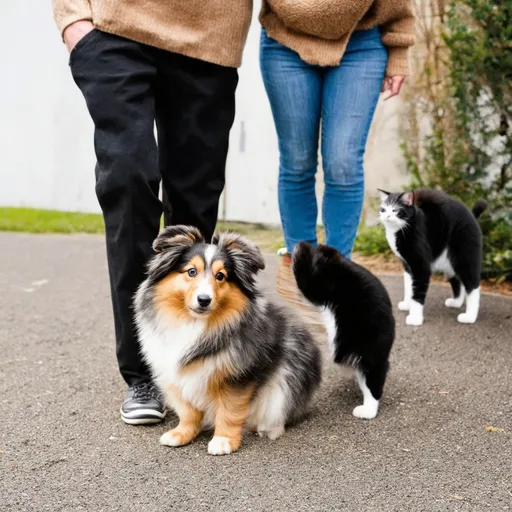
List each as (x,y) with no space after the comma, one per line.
(46,156)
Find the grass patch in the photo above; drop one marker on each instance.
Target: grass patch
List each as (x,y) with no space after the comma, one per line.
(30,220)
(370,250)
(370,240)
(268,238)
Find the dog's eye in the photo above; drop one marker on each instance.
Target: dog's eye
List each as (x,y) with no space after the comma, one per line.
(220,276)
(192,272)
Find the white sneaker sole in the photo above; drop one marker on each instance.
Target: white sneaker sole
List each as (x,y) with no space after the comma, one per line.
(142,416)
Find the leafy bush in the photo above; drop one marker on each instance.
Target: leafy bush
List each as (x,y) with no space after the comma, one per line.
(497,233)
(458,131)
(371,240)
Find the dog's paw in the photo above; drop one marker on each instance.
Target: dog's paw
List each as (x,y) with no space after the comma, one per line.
(404,305)
(453,303)
(171,438)
(219,446)
(464,318)
(414,320)
(178,437)
(365,412)
(272,433)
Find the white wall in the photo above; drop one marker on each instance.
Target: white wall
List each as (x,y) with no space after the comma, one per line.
(46,156)
(46,144)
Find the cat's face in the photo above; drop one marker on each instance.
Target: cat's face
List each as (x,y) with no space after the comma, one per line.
(396,209)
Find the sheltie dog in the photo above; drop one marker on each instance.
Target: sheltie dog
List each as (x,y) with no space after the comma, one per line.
(357,313)
(221,353)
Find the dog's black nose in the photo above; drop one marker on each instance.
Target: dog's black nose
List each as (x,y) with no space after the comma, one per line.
(204,300)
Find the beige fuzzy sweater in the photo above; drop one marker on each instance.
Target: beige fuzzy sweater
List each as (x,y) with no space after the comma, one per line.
(319,30)
(210,30)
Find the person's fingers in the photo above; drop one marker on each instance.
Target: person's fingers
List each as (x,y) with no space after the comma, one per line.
(75,32)
(385,84)
(395,85)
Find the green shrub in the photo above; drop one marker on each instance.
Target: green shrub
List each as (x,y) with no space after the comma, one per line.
(464,89)
(497,231)
(371,240)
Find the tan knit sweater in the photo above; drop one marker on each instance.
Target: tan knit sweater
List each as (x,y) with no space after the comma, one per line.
(210,30)
(319,30)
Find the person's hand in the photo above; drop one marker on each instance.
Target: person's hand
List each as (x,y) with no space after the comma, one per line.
(75,32)
(392,84)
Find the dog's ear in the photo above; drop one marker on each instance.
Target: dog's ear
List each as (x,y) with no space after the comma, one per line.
(169,247)
(246,256)
(383,194)
(407,198)
(175,236)
(241,250)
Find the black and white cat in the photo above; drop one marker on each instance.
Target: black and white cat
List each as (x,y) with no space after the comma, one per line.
(357,313)
(431,231)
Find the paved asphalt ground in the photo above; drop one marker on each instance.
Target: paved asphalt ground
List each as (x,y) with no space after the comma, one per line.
(63,446)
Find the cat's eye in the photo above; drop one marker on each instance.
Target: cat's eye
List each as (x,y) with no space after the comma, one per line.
(192,272)
(382,210)
(220,276)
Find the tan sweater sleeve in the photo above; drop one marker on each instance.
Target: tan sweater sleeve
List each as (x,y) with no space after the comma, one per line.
(66,12)
(398,36)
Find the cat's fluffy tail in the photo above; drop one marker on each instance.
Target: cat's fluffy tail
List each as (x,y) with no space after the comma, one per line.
(479,208)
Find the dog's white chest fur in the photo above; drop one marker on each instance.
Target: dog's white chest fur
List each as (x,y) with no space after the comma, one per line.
(164,345)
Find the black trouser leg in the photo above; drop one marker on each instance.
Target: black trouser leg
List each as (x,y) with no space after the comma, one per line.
(195,109)
(166,203)
(117,78)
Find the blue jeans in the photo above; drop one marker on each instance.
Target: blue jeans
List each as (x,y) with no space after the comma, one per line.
(344,99)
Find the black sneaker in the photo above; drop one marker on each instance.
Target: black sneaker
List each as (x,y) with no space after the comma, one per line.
(142,405)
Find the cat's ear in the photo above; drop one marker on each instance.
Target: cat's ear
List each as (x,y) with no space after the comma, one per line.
(383,194)
(407,198)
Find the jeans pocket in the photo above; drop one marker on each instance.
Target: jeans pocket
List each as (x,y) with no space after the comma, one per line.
(82,44)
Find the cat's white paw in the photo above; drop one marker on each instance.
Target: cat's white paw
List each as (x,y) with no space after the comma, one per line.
(414,320)
(404,305)
(464,318)
(219,446)
(453,303)
(272,433)
(365,412)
